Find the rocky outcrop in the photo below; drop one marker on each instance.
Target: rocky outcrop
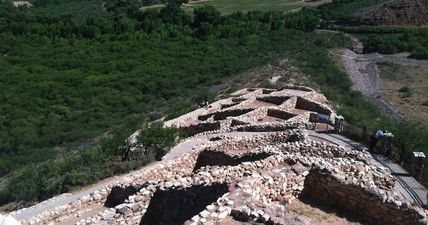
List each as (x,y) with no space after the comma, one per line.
(398,12)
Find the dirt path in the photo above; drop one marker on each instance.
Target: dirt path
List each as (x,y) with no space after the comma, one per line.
(364,73)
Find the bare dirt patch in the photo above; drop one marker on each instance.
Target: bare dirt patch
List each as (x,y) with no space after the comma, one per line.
(260,77)
(318,215)
(411,103)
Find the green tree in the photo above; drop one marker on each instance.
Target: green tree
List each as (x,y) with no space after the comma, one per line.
(205,14)
(158,139)
(172,13)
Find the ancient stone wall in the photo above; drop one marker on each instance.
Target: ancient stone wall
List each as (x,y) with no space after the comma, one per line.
(327,189)
(266,127)
(289,104)
(174,207)
(200,127)
(268,91)
(225,106)
(232,112)
(299,88)
(309,105)
(277,100)
(237,122)
(264,170)
(280,114)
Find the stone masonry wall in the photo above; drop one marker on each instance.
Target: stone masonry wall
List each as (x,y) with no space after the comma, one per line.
(328,190)
(280,114)
(200,127)
(306,104)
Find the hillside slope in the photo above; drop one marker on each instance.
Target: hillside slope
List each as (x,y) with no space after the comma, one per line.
(398,12)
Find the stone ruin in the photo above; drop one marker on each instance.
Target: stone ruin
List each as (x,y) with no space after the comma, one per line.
(248,172)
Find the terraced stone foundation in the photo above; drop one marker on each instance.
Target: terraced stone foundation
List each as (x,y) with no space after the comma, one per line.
(246,171)
(280,114)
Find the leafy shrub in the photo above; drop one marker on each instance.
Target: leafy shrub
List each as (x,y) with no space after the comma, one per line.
(306,19)
(158,139)
(344,11)
(411,40)
(404,89)
(406,92)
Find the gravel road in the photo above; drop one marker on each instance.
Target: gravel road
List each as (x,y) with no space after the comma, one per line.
(364,73)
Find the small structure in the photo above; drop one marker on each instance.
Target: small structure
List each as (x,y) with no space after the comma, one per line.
(386,144)
(319,118)
(339,124)
(418,160)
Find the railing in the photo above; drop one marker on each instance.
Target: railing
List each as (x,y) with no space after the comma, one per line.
(399,152)
(356,133)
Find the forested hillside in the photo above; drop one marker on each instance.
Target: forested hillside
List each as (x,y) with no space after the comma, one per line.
(77,77)
(74,71)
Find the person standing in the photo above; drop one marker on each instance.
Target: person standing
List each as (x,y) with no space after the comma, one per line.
(374,138)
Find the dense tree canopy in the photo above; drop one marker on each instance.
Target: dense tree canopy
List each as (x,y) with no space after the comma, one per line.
(74,71)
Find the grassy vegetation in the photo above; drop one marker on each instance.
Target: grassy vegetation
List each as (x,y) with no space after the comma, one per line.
(345,11)
(414,41)
(232,6)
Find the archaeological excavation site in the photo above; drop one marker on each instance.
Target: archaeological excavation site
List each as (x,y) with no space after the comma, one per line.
(247,159)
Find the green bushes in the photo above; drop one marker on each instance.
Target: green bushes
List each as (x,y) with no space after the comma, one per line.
(390,39)
(158,140)
(413,41)
(342,15)
(406,92)
(38,181)
(373,29)
(420,53)
(344,11)
(306,19)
